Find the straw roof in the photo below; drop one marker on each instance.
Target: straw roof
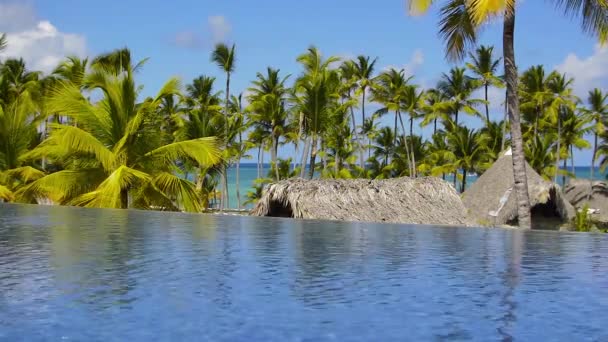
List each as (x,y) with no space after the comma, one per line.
(400,200)
(491,199)
(578,190)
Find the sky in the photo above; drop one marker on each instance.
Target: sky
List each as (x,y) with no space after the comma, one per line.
(178,36)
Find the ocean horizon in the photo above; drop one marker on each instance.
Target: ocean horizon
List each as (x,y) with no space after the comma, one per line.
(248,175)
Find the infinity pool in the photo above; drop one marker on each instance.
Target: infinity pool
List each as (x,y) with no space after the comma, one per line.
(110,275)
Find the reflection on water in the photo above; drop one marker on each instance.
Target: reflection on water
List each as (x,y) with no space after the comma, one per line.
(86,274)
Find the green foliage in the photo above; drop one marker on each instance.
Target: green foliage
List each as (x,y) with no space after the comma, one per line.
(582,220)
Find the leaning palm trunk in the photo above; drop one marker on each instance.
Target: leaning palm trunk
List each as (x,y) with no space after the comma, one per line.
(362,138)
(407,149)
(572,168)
(592,166)
(558,147)
(519,161)
(487,104)
(504,129)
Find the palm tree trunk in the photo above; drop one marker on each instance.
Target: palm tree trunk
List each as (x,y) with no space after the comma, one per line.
(464,180)
(238,172)
(304,156)
(504,129)
(361,136)
(259,160)
(336,164)
(519,161)
(572,161)
(592,171)
(412,145)
(124,199)
(565,167)
(262,161)
(558,147)
(273,156)
(225,201)
(313,155)
(395,130)
(434,126)
(407,148)
(324,157)
(487,104)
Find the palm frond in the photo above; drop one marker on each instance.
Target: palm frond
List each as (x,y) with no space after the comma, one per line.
(204,151)
(182,190)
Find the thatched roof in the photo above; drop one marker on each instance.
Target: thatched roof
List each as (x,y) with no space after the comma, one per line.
(578,190)
(492,200)
(400,200)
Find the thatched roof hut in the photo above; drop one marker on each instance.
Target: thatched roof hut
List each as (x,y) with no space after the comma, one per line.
(491,200)
(400,200)
(577,193)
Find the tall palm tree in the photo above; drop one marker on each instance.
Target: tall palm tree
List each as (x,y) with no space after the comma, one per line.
(574,127)
(535,96)
(598,115)
(436,107)
(458,88)
(317,90)
(19,123)
(238,125)
(560,103)
(390,91)
(114,158)
(413,104)
(364,70)
(468,147)
(485,67)
(460,20)
(268,108)
(224,57)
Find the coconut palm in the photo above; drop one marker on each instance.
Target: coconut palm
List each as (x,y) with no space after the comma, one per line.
(468,147)
(268,108)
(459,22)
(436,107)
(413,104)
(535,96)
(238,124)
(364,70)
(573,129)
(224,57)
(485,66)
(19,123)
(115,158)
(598,115)
(458,88)
(316,91)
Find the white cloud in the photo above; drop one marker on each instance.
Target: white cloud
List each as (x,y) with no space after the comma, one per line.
(219,28)
(38,42)
(416,60)
(588,72)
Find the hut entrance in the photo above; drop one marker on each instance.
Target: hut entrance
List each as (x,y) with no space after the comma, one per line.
(279,209)
(545,216)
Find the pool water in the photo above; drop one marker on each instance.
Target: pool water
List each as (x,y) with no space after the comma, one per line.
(76,274)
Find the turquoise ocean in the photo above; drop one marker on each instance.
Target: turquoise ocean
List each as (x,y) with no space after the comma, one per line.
(249,172)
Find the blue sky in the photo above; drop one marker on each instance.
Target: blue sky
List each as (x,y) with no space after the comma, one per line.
(177,36)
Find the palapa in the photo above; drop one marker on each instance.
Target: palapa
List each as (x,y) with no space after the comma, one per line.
(426,200)
(492,200)
(578,193)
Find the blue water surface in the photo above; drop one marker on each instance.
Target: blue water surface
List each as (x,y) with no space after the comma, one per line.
(70,274)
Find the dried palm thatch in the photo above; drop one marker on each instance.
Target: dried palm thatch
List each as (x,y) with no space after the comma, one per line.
(578,193)
(400,200)
(491,200)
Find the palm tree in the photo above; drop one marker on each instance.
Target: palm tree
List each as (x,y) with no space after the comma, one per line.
(468,147)
(268,109)
(435,107)
(114,158)
(485,67)
(561,101)
(317,90)
(598,115)
(3,42)
(574,127)
(413,104)
(19,121)
(457,87)
(460,19)
(390,91)
(364,70)
(237,126)
(535,95)
(224,58)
